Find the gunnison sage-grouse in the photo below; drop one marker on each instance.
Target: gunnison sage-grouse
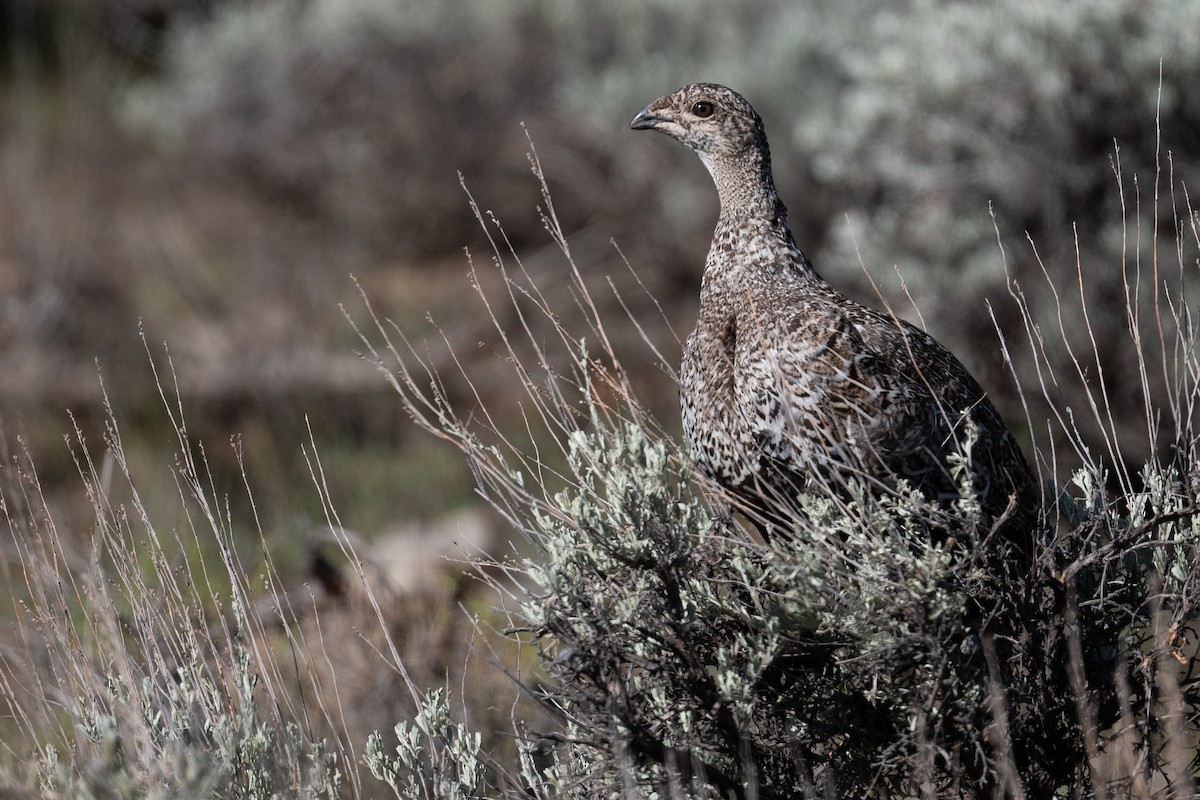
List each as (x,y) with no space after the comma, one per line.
(789,386)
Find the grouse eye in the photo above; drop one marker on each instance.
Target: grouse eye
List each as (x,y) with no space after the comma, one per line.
(703,109)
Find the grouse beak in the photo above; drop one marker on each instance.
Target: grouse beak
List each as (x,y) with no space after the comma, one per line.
(644,120)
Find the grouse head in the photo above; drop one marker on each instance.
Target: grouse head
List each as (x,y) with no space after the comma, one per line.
(713,120)
(727,133)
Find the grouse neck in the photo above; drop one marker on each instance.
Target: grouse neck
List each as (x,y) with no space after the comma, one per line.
(749,196)
(757,238)
(750,207)
(744,182)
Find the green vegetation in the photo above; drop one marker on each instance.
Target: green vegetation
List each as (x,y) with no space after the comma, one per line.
(210,605)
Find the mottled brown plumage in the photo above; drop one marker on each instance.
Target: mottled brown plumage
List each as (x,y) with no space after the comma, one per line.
(787,385)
